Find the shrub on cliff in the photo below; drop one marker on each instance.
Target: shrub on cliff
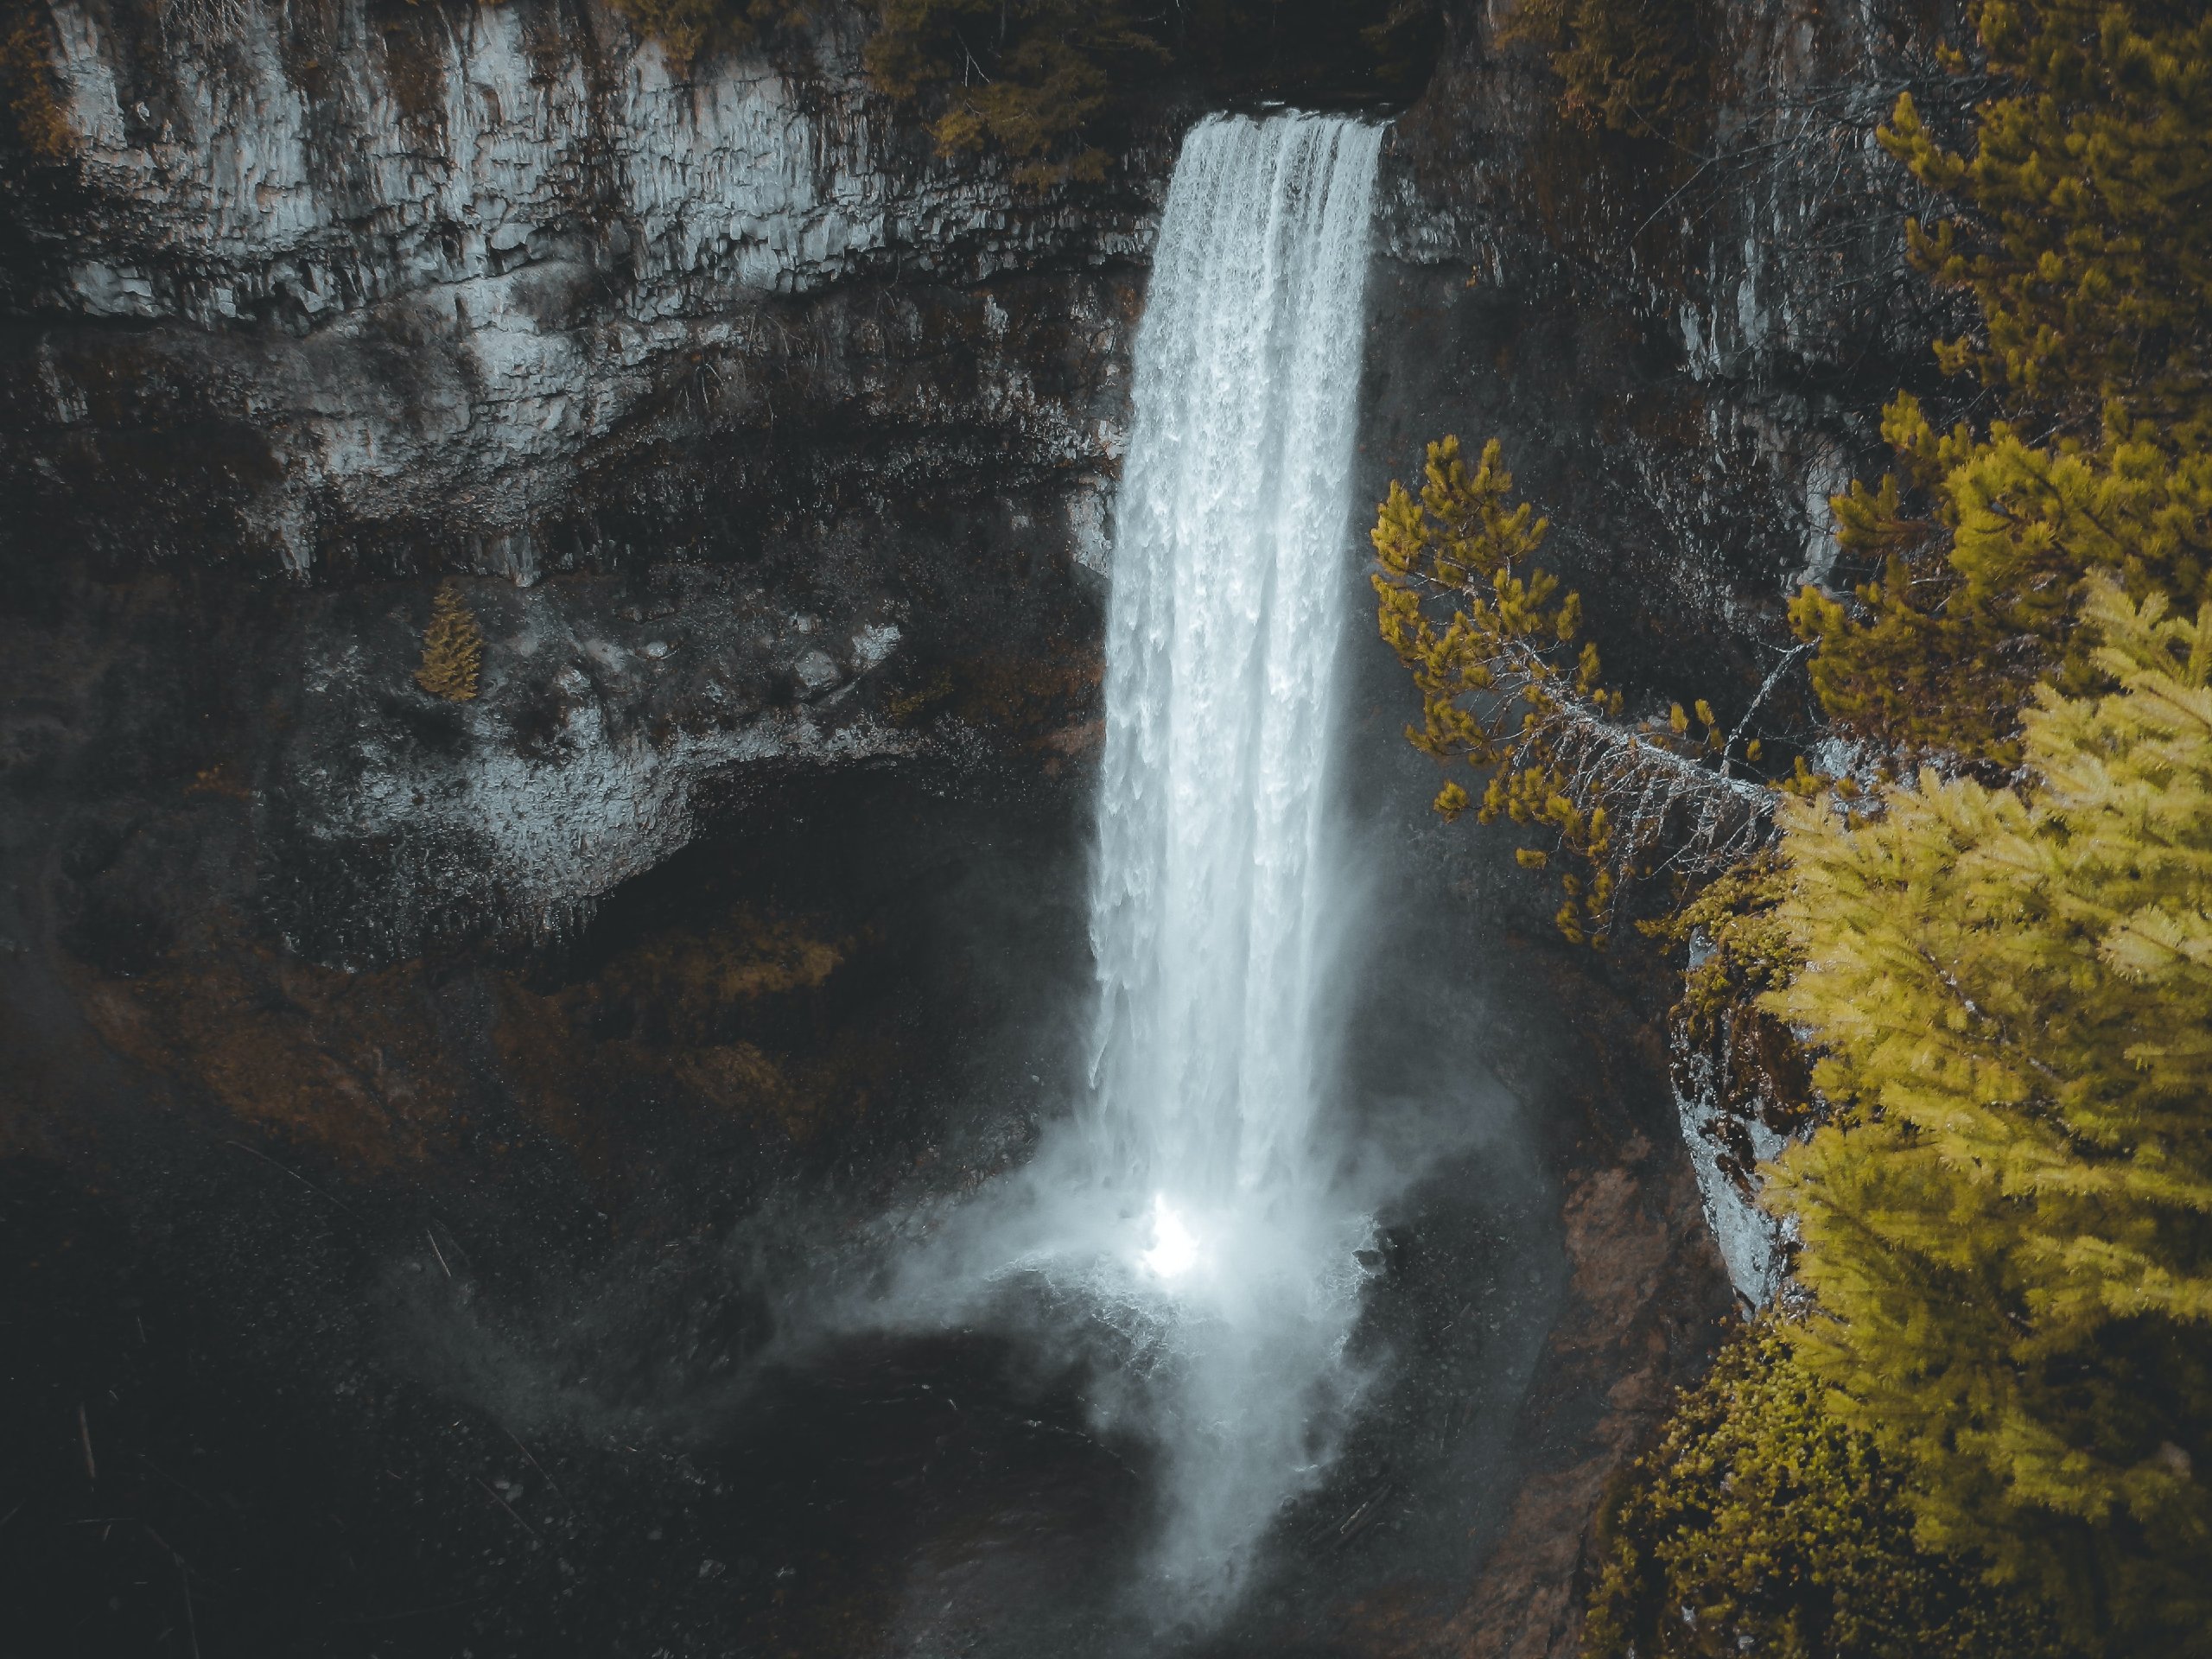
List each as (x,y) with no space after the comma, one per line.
(1641,67)
(1040,82)
(1491,643)
(1761,1523)
(691,29)
(35,119)
(1026,79)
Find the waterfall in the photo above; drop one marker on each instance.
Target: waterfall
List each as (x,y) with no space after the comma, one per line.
(1184,1235)
(1228,601)
(1209,905)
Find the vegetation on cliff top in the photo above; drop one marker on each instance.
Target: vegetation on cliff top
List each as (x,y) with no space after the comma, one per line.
(692,29)
(1642,67)
(1986,934)
(1041,81)
(1028,78)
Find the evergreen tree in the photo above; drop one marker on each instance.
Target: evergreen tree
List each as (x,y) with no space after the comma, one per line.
(2010,1226)
(452,647)
(1491,643)
(2085,236)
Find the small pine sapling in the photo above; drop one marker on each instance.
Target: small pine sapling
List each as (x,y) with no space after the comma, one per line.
(452,647)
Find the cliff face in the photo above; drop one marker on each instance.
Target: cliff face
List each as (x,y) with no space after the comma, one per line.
(491,287)
(773,457)
(755,408)
(1684,349)
(1683,346)
(360,294)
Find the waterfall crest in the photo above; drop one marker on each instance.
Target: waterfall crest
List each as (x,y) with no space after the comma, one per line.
(1222,635)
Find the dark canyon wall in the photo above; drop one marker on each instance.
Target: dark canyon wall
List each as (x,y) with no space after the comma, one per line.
(349,297)
(737,407)
(774,456)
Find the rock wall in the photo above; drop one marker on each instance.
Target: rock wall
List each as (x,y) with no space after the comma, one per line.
(343,296)
(1684,348)
(365,292)
(441,272)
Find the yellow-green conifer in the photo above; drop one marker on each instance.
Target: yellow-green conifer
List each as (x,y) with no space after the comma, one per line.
(452,647)
(2083,237)
(2009,1229)
(1760,1523)
(1491,643)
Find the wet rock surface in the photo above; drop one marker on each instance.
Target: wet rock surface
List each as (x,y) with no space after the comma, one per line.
(428,1124)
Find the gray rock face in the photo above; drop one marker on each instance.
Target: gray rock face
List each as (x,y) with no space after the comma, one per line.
(573,769)
(427,266)
(1684,350)
(366,293)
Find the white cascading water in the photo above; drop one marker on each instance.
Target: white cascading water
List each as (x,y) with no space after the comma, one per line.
(1209,905)
(1183,1227)
(1228,602)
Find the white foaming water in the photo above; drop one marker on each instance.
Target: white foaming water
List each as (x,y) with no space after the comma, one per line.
(1209,892)
(1184,1225)
(1228,602)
